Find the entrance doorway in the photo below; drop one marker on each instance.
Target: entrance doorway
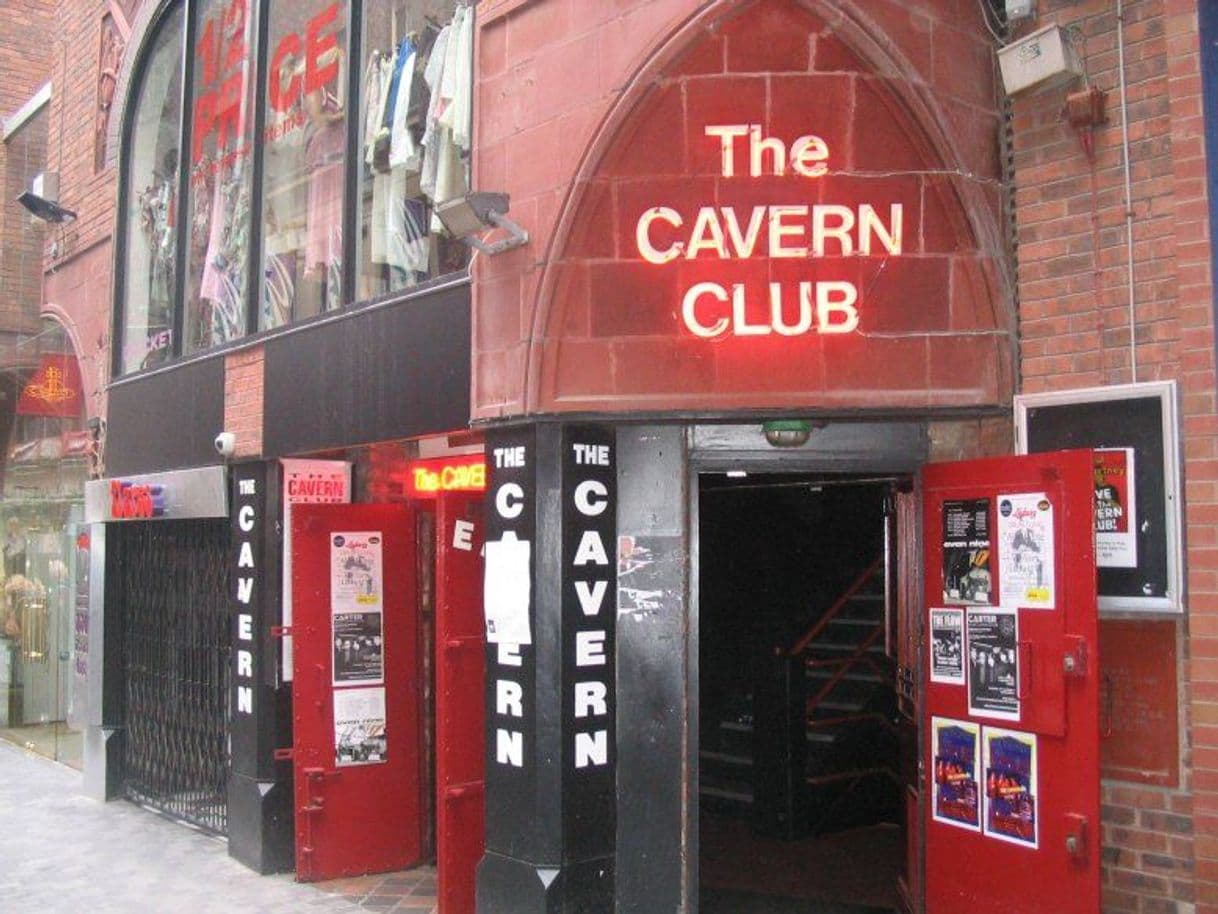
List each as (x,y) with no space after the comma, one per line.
(803,751)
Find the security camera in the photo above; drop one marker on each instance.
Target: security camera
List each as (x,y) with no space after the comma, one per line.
(226,443)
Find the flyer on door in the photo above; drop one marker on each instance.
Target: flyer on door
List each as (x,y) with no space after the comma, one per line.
(356,579)
(966,552)
(359,650)
(957,798)
(993,658)
(1025,551)
(1010,786)
(947,646)
(360,733)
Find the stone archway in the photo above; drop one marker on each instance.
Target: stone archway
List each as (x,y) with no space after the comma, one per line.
(613,331)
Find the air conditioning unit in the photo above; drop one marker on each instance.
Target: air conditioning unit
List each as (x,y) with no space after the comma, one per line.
(1044,59)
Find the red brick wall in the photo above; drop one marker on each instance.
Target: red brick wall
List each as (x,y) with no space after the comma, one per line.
(549,76)
(25,65)
(243,394)
(26,54)
(23,157)
(78,257)
(73,117)
(1075,333)
(84,285)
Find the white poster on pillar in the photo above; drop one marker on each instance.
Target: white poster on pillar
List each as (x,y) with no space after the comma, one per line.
(507,587)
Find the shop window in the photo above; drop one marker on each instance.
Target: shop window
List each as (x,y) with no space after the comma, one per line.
(221,114)
(46,463)
(151,202)
(285,117)
(414,139)
(306,110)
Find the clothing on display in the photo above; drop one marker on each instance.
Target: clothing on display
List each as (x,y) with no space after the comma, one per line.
(222,285)
(284,209)
(325,145)
(156,220)
(416,142)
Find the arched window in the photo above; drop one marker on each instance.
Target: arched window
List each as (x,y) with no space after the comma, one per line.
(150,203)
(221,180)
(311,173)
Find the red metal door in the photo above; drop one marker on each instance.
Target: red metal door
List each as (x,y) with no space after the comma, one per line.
(460,708)
(355,694)
(1010,712)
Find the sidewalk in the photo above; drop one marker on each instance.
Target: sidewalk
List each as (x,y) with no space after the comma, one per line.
(63,852)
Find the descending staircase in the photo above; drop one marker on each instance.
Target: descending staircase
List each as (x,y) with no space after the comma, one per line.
(835,688)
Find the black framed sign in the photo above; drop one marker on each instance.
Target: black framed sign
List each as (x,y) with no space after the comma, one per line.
(1134,430)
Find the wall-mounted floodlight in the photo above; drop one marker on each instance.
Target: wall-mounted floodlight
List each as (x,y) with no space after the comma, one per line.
(42,199)
(468,216)
(46,210)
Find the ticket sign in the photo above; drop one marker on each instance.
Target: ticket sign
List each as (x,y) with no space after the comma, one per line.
(428,478)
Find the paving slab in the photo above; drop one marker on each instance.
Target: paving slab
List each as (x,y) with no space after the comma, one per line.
(64,852)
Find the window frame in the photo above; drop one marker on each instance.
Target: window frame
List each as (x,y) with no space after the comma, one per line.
(135,88)
(351,182)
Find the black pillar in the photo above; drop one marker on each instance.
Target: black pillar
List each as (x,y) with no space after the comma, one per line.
(260,826)
(551,739)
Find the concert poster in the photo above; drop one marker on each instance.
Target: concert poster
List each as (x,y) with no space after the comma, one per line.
(993,658)
(967,572)
(1010,786)
(957,799)
(1116,509)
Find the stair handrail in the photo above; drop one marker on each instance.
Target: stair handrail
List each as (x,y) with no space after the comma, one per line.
(844,666)
(833,611)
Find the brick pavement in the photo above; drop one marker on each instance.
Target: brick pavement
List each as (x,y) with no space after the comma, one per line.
(63,852)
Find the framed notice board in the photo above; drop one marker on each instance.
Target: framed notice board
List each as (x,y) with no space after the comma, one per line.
(1134,430)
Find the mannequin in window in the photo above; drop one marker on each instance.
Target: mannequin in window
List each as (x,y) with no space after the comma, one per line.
(157,213)
(14,549)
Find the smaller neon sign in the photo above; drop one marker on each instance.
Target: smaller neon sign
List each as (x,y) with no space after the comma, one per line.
(131,501)
(428,478)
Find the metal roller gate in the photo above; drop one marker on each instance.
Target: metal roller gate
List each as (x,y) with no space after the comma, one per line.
(173,602)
